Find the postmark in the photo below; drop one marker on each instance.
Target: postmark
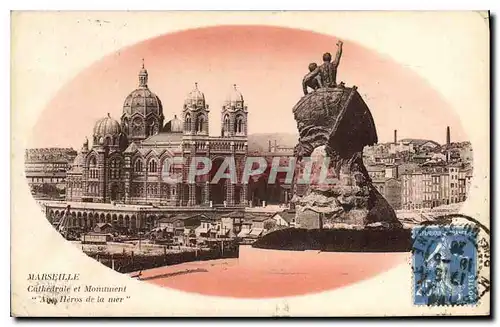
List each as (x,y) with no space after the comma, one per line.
(450,259)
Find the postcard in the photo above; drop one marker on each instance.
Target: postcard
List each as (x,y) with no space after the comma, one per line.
(258,164)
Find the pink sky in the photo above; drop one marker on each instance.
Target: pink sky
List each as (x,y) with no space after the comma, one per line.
(259,273)
(267,64)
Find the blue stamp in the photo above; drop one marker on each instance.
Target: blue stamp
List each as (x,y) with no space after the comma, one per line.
(444,265)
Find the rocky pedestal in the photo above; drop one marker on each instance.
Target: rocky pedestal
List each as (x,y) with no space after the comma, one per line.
(335,125)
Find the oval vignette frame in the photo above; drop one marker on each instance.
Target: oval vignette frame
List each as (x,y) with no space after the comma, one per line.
(268,64)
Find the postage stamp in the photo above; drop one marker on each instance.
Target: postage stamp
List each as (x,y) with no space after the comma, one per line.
(445,265)
(449,258)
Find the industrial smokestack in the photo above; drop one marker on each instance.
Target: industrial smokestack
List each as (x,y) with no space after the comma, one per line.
(395,136)
(269,147)
(448,138)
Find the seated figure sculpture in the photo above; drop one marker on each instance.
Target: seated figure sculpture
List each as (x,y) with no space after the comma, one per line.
(311,80)
(335,124)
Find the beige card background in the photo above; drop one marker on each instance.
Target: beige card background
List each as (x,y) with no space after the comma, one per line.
(448,49)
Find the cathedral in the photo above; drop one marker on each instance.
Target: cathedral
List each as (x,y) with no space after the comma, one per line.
(127,160)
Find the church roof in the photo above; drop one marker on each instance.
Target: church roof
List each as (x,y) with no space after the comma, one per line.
(174,125)
(144,151)
(234,96)
(132,148)
(142,101)
(234,100)
(79,160)
(287,215)
(107,126)
(195,97)
(163,137)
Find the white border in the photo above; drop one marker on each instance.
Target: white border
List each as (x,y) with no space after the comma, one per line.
(180,5)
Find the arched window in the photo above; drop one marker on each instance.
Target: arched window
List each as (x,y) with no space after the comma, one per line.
(187,123)
(153,166)
(93,162)
(138,166)
(226,123)
(199,123)
(93,173)
(238,125)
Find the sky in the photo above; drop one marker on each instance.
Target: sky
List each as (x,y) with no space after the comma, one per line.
(267,65)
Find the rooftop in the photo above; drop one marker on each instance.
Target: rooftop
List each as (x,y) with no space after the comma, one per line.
(287,215)
(418,142)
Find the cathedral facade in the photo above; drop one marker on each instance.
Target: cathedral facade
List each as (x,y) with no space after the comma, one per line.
(130,160)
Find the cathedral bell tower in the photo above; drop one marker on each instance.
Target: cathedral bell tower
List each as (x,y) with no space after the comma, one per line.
(234,115)
(142,111)
(195,113)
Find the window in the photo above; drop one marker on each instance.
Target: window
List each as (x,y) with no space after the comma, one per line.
(200,120)
(93,171)
(138,166)
(238,126)
(226,123)
(187,123)
(153,166)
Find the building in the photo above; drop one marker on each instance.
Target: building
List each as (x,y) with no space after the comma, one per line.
(132,161)
(421,145)
(466,152)
(421,158)
(401,147)
(413,189)
(275,148)
(434,184)
(45,170)
(390,188)
(376,171)
(285,218)
(103,228)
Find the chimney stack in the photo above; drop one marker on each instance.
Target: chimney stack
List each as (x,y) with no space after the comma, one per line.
(269,147)
(448,138)
(395,136)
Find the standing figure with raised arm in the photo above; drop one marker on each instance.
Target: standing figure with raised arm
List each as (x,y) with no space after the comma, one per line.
(327,72)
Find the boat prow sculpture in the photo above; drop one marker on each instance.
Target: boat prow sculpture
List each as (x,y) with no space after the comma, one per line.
(334,125)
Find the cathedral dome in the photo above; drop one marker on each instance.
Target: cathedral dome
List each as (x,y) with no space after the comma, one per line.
(235,95)
(234,99)
(195,97)
(79,160)
(142,101)
(174,125)
(107,126)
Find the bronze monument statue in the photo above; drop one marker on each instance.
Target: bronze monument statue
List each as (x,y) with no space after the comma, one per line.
(334,126)
(337,208)
(327,72)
